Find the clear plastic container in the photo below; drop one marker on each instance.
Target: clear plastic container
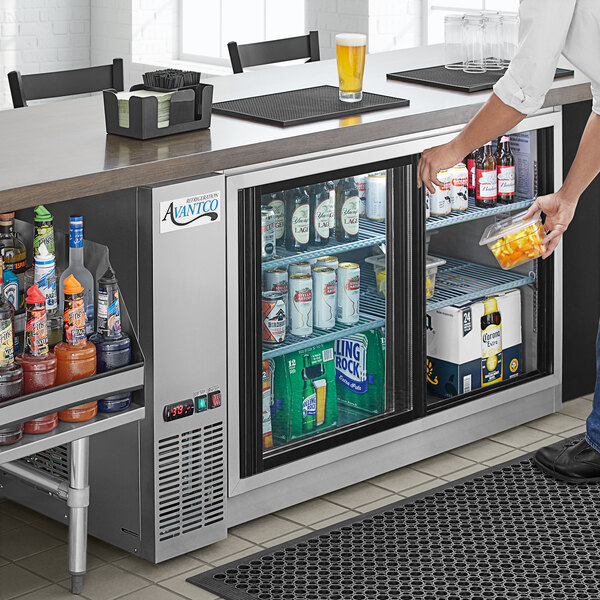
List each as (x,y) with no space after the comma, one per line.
(378,262)
(433,263)
(515,240)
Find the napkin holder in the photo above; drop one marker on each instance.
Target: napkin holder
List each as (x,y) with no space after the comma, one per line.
(190,110)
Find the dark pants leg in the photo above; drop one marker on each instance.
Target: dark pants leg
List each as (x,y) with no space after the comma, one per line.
(593,421)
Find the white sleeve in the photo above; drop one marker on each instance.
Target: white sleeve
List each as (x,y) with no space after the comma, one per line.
(542,36)
(596,98)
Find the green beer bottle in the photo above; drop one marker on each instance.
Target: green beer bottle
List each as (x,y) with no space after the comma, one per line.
(309,399)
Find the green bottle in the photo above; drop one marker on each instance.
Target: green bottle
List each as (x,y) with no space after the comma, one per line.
(309,399)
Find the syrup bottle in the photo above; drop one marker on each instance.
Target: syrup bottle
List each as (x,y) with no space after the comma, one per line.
(76,357)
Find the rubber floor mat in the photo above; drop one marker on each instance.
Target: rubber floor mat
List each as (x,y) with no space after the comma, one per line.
(510,532)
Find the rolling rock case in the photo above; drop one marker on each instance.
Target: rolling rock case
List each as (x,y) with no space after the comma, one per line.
(459,352)
(304,394)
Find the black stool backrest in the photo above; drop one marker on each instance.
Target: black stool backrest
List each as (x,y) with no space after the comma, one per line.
(65,83)
(272,51)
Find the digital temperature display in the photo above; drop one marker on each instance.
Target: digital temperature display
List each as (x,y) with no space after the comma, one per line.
(178,410)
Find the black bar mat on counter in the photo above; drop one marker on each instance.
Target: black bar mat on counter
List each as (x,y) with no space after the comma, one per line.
(509,532)
(457,80)
(303,106)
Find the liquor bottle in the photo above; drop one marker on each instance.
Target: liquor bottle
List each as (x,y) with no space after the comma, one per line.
(470,162)
(43,230)
(297,224)
(11,374)
(491,343)
(320,203)
(346,211)
(76,356)
(113,347)
(309,399)
(15,254)
(38,364)
(11,288)
(505,166)
(486,193)
(77,268)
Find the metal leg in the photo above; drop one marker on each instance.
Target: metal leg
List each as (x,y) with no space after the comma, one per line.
(78,502)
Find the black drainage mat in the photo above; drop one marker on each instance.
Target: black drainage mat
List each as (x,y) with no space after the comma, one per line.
(303,106)
(510,532)
(457,80)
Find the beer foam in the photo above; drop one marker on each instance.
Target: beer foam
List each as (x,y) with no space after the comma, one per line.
(351,39)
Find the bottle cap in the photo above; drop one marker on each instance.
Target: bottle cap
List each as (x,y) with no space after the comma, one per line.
(72,286)
(109,278)
(7,216)
(490,306)
(504,138)
(35,296)
(42,215)
(43,257)
(76,220)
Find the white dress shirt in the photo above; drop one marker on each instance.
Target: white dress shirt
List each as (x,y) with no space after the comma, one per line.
(549,28)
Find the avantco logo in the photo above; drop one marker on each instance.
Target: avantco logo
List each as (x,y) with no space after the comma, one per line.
(190,212)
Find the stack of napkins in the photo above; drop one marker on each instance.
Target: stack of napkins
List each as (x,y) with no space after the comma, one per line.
(164,106)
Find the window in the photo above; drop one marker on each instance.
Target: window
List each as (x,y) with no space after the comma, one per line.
(437,9)
(208,25)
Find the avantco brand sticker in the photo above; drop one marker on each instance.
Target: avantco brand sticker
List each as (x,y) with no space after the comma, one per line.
(190,211)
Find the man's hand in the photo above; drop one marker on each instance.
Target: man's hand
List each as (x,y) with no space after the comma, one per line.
(435,160)
(559,212)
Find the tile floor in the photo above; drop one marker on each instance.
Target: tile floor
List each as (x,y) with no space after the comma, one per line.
(33,553)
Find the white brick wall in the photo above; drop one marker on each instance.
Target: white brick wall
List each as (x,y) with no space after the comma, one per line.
(42,35)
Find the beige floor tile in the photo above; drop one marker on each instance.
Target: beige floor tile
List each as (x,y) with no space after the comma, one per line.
(12,509)
(357,495)
(265,528)
(156,573)
(589,396)
(555,423)
(400,479)
(187,590)
(52,592)
(231,545)
(518,437)
(481,450)
(243,554)
(334,520)
(424,487)
(579,408)
(286,538)
(53,564)
(575,431)
(53,528)
(463,473)
(108,582)
(442,464)
(106,552)
(3,561)
(365,508)
(25,541)
(311,512)
(498,460)
(545,442)
(7,523)
(152,592)
(15,581)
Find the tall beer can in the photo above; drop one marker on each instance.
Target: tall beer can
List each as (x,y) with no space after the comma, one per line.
(276,280)
(300,267)
(376,196)
(301,305)
(268,231)
(440,201)
(273,318)
(360,181)
(324,297)
(268,368)
(459,187)
(328,261)
(348,293)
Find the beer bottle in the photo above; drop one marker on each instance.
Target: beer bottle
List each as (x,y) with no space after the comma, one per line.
(470,162)
(486,192)
(320,204)
(277,203)
(346,211)
(309,399)
(330,185)
(491,343)
(505,166)
(297,225)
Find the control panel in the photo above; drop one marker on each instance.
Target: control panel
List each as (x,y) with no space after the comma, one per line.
(200,402)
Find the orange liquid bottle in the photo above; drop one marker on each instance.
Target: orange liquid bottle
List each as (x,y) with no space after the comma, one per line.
(76,357)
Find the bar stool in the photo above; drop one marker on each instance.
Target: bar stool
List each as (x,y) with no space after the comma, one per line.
(65,83)
(272,51)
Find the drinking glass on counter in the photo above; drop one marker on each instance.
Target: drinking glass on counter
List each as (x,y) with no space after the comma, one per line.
(493,42)
(474,30)
(350,49)
(454,48)
(510,36)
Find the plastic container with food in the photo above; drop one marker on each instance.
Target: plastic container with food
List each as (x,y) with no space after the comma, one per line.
(515,240)
(378,262)
(433,263)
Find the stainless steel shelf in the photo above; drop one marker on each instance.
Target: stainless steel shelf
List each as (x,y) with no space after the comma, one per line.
(459,281)
(473,213)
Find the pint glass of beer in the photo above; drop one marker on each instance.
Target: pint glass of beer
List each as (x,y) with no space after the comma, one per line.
(350,50)
(321,389)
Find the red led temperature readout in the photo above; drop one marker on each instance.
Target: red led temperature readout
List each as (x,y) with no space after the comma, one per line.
(178,410)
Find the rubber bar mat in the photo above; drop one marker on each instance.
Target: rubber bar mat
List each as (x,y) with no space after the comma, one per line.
(303,106)
(509,532)
(458,80)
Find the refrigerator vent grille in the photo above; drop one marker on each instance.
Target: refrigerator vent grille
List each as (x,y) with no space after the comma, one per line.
(191,481)
(54,462)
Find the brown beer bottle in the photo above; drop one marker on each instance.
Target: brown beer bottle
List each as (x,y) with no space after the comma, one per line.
(470,162)
(486,191)
(505,166)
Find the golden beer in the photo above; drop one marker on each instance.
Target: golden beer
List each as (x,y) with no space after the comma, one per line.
(321,389)
(350,51)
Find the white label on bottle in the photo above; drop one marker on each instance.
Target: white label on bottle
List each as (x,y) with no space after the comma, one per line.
(349,216)
(322,218)
(487,186)
(506,181)
(332,209)
(279,210)
(300,224)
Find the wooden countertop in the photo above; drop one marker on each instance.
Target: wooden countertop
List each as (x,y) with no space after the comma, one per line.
(60,150)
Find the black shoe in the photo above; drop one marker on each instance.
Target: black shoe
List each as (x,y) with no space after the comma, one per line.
(578,463)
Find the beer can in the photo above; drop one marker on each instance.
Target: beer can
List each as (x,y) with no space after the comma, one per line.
(376,196)
(328,261)
(268,231)
(301,305)
(360,181)
(348,293)
(439,203)
(324,297)
(300,267)
(459,187)
(273,318)
(276,280)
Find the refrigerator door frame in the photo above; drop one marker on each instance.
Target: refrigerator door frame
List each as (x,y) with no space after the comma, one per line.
(308,165)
